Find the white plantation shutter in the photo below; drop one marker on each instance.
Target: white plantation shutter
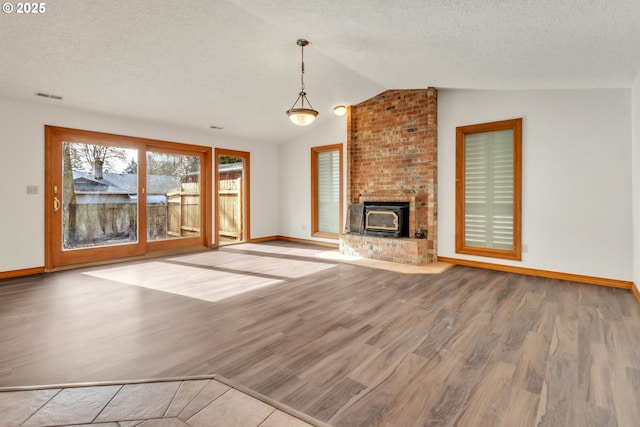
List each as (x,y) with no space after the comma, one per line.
(488,194)
(328,168)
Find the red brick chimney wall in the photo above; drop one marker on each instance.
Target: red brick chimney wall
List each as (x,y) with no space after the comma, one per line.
(392,155)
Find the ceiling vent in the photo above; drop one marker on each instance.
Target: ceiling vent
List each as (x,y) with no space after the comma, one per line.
(48,95)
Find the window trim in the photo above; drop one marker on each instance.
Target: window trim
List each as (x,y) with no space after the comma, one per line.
(314,190)
(461,132)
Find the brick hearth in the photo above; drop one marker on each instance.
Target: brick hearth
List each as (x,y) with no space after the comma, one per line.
(403,250)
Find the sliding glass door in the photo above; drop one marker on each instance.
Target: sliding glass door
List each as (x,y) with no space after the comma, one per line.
(110,196)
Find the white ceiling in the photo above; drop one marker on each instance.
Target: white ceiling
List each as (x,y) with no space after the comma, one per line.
(235,63)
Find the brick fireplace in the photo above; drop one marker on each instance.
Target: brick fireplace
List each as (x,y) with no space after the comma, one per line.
(392,157)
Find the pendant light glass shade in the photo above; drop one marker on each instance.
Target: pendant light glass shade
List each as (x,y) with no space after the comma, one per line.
(302,116)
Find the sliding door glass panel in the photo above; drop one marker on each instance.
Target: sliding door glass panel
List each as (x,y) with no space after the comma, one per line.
(173,196)
(99,197)
(230,199)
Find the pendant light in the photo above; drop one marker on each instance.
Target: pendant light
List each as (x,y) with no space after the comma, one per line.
(302,116)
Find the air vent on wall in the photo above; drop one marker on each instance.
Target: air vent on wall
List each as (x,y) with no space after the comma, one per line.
(214,127)
(48,95)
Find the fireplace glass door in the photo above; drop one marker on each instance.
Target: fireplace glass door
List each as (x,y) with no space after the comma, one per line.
(386,219)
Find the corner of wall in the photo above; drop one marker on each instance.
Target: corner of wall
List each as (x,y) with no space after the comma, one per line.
(635,185)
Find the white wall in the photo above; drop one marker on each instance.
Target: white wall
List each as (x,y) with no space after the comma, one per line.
(22,164)
(635,131)
(577,213)
(294,177)
(577,174)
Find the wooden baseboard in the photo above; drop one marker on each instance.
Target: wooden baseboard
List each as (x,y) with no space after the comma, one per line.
(263,239)
(20,273)
(310,242)
(636,292)
(622,284)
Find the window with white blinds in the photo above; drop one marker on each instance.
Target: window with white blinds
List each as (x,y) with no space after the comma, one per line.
(488,190)
(327,190)
(488,193)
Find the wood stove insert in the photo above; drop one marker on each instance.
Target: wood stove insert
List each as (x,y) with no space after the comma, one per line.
(386,219)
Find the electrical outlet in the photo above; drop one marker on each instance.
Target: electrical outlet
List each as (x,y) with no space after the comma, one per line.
(32,189)
(525,248)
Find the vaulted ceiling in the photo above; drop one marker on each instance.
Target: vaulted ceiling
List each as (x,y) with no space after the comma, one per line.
(235,64)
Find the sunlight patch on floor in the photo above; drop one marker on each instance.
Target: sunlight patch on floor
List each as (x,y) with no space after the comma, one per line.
(193,282)
(211,276)
(254,264)
(336,256)
(431,268)
(276,249)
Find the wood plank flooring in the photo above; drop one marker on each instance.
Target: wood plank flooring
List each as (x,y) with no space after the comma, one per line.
(346,344)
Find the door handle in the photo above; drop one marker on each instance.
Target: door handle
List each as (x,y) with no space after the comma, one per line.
(56,204)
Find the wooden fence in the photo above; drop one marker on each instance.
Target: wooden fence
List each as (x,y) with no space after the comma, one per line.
(184,211)
(180,217)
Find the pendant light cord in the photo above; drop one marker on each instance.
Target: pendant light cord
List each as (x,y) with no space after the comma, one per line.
(302,93)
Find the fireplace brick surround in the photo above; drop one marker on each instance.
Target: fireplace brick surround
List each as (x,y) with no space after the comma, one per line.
(392,157)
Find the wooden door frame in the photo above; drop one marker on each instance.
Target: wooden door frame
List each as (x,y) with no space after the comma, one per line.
(54,137)
(246,223)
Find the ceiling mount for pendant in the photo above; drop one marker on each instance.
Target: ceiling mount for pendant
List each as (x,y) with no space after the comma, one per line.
(302,116)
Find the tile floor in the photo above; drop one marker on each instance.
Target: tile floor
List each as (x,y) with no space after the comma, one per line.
(210,401)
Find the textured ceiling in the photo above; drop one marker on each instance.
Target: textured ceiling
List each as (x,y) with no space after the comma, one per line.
(235,64)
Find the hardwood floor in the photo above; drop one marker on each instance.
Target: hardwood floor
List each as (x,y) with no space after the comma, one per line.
(348,345)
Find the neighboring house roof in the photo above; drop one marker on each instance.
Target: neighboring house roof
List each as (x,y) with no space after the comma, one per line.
(123,183)
(230,167)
